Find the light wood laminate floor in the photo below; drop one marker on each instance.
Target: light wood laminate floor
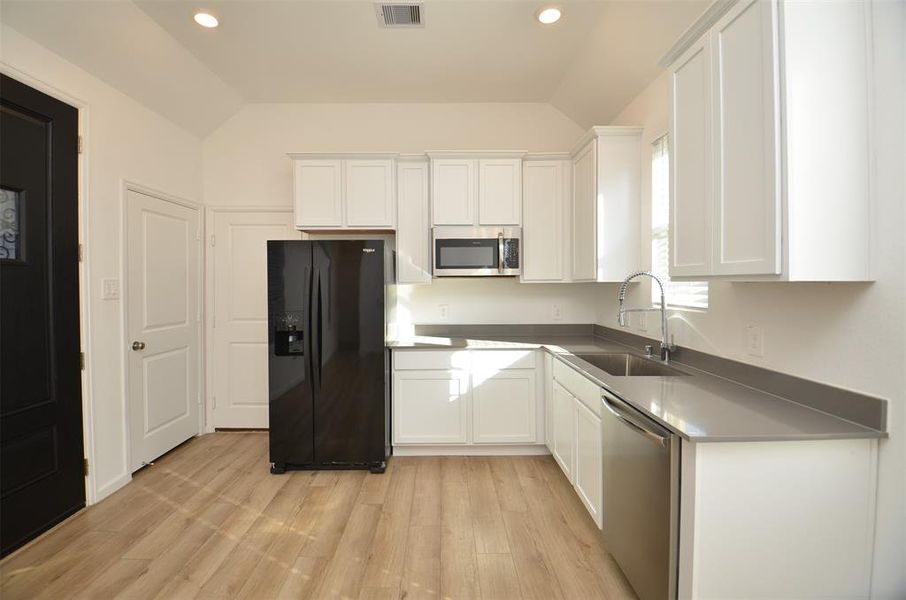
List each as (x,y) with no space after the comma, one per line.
(209,521)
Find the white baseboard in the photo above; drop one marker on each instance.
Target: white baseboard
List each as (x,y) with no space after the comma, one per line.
(474,450)
(112,486)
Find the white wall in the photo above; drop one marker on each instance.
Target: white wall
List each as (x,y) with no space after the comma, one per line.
(848,335)
(123,140)
(245,163)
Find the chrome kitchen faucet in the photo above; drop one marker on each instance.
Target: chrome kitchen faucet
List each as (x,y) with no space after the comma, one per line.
(666,346)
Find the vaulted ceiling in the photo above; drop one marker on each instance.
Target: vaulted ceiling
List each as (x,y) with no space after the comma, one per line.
(588,65)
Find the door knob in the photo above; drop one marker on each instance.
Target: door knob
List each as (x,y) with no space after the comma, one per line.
(138,346)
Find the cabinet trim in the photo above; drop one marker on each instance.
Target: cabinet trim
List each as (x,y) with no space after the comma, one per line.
(701,26)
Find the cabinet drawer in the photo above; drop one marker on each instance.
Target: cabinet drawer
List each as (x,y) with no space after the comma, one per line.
(405,360)
(498,360)
(585,390)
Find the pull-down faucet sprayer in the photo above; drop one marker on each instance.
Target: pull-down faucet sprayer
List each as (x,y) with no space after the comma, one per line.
(666,346)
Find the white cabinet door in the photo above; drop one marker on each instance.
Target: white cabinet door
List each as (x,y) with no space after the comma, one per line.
(453,191)
(413,232)
(588,467)
(503,406)
(500,191)
(548,401)
(430,407)
(690,163)
(369,193)
(747,196)
(564,434)
(318,193)
(584,214)
(542,220)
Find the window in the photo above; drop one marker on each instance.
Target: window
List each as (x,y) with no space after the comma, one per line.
(680,294)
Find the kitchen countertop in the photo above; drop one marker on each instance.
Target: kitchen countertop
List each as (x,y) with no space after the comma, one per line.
(700,406)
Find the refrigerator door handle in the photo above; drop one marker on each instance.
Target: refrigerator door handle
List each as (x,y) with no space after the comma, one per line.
(316,326)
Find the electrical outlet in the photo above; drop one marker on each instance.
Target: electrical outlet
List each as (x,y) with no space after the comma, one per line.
(110,289)
(755,340)
(556,312)
(443,311)
(641,321)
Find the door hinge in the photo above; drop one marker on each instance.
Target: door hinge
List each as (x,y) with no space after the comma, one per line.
(81,253)
(80,145)
(212,240)
(85,467)
(213,401)
(82,361)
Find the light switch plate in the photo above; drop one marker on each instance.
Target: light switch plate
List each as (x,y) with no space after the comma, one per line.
(641,321)
(755,340)
(443,311)
(110,289)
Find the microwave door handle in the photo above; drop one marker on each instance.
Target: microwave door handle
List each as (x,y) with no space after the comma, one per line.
(500,252)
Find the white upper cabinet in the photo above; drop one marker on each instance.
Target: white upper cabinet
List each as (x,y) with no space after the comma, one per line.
(413,233)
(746,231)
(318,193)
(690,163)
(605,232)
(369,193)
(500,191)
(344,191)
(476,188)
(453,191)
(584,229)
(753,199)
(545,219)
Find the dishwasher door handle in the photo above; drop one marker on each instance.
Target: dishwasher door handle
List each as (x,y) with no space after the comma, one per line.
(655,437)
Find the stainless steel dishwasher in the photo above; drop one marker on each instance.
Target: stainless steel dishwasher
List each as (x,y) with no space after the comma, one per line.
(641,497)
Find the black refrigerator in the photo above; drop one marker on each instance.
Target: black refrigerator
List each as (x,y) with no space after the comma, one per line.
(328,368)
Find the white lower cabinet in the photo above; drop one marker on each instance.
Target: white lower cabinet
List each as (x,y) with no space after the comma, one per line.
(430,407)
(467,397)
(575,439)
(588,474)
(503,406)
(564,434)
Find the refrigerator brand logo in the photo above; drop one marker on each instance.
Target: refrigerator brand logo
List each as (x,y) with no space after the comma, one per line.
(368,250)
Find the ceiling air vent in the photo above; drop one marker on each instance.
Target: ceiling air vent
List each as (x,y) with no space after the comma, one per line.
(398,15)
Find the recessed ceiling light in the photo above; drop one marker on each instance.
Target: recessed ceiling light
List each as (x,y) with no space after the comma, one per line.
(549,15)
(206,20)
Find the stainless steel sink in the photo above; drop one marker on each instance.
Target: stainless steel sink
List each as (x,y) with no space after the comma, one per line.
(630,365)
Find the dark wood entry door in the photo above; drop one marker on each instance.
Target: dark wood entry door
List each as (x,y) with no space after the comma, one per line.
(41,455)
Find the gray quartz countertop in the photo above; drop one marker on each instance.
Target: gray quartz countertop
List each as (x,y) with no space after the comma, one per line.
(700,407)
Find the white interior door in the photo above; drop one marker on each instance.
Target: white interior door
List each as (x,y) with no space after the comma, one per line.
(239,387)
(163,280)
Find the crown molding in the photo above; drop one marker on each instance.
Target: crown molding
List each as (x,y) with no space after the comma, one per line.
(701,26)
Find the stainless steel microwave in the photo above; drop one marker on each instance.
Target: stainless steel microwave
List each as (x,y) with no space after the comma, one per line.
(477,251)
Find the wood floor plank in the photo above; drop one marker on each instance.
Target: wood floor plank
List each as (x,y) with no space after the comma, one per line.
(303,578)
(563,551)
(334,516)
(510,494)
(344,573)
(231,576)
(209,520)
(497,575)
(490,533)
(458,566)
(279,561)
(537,579)
(426,502)
(114,580)
(388,551)
(249,498)
(374,489)
(421,575)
